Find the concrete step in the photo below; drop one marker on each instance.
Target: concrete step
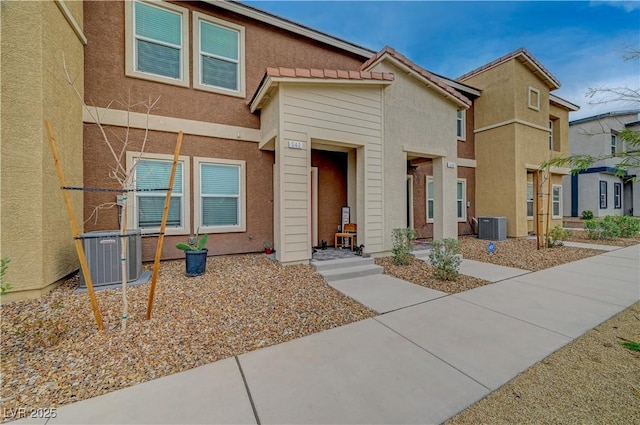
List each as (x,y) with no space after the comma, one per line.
(341,263)
(350,272)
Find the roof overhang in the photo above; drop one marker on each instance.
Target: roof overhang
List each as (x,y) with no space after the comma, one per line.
(277,76)
(291,26)
(563,103)
(420,74)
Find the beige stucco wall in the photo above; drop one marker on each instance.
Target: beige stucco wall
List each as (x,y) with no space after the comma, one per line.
(497,102)
(34,227)
(418,118)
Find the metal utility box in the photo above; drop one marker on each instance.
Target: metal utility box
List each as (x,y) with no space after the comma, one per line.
(492,228)
(102,249)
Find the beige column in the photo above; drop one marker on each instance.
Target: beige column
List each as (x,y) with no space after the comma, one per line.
(445,224)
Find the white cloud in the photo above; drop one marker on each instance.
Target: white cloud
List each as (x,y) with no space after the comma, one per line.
(628,6)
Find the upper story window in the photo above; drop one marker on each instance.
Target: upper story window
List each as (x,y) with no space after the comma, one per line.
(219,59)
(614,144)
(550,135)
(460,125)
(157,45)
(534,98)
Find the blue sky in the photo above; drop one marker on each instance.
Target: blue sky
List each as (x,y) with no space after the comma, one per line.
(582,43)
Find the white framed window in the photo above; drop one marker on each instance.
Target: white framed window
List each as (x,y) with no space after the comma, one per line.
(151,174)
(157,46)
(556,201)
(219,63)
(530,201)
(614,144)
(461,199)
(534,98)
(550,135)
(219,195)
(430,199)
(603,194)
(617,195)
(461,125)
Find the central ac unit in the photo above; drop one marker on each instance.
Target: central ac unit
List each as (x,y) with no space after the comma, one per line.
(103,248)
(492,228)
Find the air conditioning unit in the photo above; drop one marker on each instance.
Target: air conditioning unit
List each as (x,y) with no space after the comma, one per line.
(103,248)
(492,228)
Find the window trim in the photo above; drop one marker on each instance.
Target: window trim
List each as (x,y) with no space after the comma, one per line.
(429,197)
(532,200)
(130,44)
(603,205)
(132,200)
(462,219)
(559,201)
(617,196)
(534,105)
(197,198)
(550,135)
(614,143)
(197,57)
(461,116)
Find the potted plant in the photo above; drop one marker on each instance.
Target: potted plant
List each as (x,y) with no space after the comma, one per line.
(195,255)
(268,248)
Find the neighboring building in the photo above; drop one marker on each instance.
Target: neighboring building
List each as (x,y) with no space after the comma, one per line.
(599,189)
(519,124)
(34,227)
(284,125)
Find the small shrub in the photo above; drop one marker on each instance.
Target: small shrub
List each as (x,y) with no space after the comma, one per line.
(557,236)
(629,226)
(587,215)
(610,228)
(402,243)
(594,231)
(4,285)
(445,259)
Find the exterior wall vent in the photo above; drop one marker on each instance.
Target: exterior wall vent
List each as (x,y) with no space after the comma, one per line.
(492,228)
(102,249)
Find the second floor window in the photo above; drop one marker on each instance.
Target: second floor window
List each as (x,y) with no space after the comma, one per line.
(219,55)
(550,135)
(460,125)
(614,144)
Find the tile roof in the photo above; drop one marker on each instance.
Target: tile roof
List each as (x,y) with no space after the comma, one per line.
(328,74)
(432,78)
(520,52)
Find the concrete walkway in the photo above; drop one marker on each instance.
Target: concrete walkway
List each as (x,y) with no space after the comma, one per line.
(419,364)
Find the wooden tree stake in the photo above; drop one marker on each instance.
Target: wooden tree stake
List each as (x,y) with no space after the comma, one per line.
(74,226)
(163,226)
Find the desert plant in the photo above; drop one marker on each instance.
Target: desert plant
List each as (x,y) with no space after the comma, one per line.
(4,285)
(557,236)
(194,244)
(586,215)
(594,231)
(402,242)
(445,258)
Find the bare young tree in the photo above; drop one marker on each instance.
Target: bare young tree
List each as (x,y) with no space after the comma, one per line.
(117,147)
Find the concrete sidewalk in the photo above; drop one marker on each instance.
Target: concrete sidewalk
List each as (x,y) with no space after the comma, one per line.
(419,364)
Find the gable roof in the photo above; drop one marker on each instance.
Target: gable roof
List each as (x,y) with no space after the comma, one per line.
(427,77)
(273,76)
(606,115)
(526,58)
(289,25)
(564,103)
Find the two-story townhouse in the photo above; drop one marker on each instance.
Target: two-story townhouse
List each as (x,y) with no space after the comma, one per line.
(519,124)
(599,189)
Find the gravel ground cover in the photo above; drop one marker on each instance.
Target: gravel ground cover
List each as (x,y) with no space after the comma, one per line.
(52,354)
(421,273)
(521,253)
(592,380)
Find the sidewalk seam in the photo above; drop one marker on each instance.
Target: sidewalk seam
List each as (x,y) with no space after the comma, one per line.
(246,386)
(437,357)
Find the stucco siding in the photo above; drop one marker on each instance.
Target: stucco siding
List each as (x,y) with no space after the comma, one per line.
(497,103)
(34,38)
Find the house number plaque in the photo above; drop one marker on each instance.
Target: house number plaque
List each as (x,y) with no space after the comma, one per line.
(296,144)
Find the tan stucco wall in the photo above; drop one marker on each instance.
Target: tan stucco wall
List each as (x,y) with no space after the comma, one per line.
(497,102)
(417,116)
(34,226)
